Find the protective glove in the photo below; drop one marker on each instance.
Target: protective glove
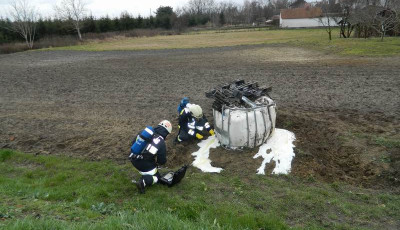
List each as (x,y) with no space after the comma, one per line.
(199,136)
(212,133)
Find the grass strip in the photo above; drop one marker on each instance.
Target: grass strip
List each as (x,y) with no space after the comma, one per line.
(55,192)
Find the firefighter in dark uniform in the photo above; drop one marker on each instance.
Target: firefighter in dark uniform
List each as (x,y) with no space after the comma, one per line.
(192,124)
(154,154)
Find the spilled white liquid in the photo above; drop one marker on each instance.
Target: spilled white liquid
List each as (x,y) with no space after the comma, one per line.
(278,148)
(202,160)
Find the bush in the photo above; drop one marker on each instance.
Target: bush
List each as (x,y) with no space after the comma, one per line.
(47,42)
(71,40)
(56,41)
(12,48)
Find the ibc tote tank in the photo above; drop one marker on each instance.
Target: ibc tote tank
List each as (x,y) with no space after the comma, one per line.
(238,127)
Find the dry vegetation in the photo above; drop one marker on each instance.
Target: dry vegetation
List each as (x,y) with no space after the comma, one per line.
(70,40)
(304,38)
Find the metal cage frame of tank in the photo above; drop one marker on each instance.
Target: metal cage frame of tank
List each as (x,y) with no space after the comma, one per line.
(247,110)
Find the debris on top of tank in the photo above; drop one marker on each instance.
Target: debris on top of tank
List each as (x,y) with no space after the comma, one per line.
(238,94)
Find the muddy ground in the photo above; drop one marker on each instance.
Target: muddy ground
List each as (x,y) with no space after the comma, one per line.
(343,110)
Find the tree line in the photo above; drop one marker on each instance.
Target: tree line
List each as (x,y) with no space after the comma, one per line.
(365,17)
(90,24)
(361,18)
(73,18)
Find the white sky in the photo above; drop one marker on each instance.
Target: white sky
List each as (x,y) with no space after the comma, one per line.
(102,7)
(99,8)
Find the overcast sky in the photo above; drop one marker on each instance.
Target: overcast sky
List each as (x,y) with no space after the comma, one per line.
(112,8)
(103,7)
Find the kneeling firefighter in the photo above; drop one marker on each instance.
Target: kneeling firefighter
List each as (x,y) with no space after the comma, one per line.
(148,151)
(192,124)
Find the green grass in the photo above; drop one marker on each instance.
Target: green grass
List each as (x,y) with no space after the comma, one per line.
(380,140)
(316,39)
(53,192)
(388,143)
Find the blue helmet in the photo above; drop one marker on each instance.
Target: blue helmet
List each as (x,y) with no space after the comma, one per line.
(183,104)
(184,101)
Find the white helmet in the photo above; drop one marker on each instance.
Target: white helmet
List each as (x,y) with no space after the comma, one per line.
(167,125)
(196,110)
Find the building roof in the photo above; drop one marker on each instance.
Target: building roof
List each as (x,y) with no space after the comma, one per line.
(296,13)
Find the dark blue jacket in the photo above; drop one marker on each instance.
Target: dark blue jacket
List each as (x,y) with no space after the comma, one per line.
(155,152)
(191,125)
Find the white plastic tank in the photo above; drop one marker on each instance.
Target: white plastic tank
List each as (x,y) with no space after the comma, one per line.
(245,127)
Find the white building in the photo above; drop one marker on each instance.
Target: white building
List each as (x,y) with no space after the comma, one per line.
(303,17)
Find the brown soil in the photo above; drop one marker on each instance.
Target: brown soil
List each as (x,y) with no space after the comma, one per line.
(90,104)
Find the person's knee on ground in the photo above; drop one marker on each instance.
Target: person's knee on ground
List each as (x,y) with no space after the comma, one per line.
(182,136)
(146,181)
(149,179)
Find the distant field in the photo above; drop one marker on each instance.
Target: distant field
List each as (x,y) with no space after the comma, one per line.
(307,38)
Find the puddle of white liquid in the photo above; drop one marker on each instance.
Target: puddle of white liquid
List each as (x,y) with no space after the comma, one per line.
(202,160)
(278,148)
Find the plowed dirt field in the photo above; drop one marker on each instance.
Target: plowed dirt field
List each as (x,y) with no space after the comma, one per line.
(344,110)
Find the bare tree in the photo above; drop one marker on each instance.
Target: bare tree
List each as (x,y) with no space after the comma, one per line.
(347,21)
(385,20)
(201,7)
(364,20)
(230,10)
(73,10)
(346,26)
(23,20)
(281,4)
(394,6)
(251,11)
(329,17)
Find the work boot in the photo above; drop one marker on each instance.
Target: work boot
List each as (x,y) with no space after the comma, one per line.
(140,186)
